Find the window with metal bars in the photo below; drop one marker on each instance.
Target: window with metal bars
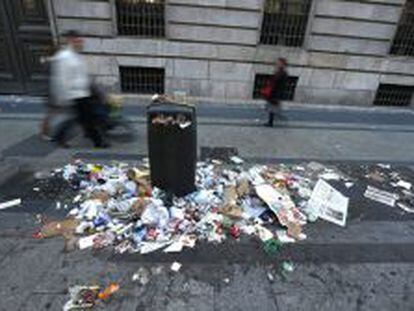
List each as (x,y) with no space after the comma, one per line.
(394,95)
(403,43)
(144,18)
(142,80)
(284,22)
(261,79)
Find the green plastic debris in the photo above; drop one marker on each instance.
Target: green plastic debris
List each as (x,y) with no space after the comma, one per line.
(272,246)
(287,266)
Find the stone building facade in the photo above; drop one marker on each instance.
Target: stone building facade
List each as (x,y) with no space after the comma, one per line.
(213,48)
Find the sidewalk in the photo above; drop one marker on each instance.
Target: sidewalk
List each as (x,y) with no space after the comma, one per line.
(311,133)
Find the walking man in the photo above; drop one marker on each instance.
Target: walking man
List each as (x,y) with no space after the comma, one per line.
(72,84)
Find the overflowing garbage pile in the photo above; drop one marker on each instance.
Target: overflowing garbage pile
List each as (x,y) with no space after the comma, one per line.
(117,207)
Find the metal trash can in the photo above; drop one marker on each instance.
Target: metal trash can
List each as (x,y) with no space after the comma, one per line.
(172,147)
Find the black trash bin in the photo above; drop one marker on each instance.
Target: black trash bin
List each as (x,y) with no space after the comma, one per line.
(172,147)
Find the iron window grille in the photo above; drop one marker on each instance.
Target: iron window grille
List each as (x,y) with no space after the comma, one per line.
(145,18)
(394,95)
(403,43)
(261,80)
(284,22)
(142,80)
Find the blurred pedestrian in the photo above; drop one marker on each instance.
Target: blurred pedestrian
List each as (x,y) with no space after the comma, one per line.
(51,106)
(72,86)
(275,90)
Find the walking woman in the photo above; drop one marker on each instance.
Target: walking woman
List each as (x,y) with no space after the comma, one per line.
(275,90)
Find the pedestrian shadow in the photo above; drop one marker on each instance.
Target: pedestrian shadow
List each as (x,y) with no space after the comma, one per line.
(32,146)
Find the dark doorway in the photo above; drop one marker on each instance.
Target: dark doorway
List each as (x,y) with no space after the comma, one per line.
(25,38)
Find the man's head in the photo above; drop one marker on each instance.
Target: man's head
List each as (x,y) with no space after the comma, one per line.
(74,40)
(281,63)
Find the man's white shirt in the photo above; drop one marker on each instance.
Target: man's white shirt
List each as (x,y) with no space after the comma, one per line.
(70,78)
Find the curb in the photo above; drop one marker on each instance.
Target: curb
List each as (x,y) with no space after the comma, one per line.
(144,100)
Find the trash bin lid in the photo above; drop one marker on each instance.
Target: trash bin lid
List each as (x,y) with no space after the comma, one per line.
(170,108)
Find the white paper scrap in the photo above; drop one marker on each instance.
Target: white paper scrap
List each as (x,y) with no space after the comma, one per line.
(11,203)
(77,198)
(175,247)
(283,237)
(263,233)
(331,205)
(330,176)
(149,247)
(349,184)
(176,266)
(381,196)
(87,242)
(404,184)
(236,160)
(406,208)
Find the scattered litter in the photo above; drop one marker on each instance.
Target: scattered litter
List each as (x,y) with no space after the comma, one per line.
(184,241)
(41,175)
(287,266)
(157,270)
(329,204)
(81,298)
(263,233)
(271,246)
(36,189)
(405,207)
(142,276)
(376,176)
(381,196)
(108,292)
(349,184)
(175,247)
(87,242)
(226,280)
(283,237)
(150,247)
(404,184)
(330,176)
(176,266)
(9,204)
(270,277)
(236,160)
(52,229)
(77,198)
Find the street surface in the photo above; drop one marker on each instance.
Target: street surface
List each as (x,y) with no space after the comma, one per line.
(368,265)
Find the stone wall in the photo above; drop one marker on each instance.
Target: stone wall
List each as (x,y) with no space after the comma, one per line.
(211,48)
